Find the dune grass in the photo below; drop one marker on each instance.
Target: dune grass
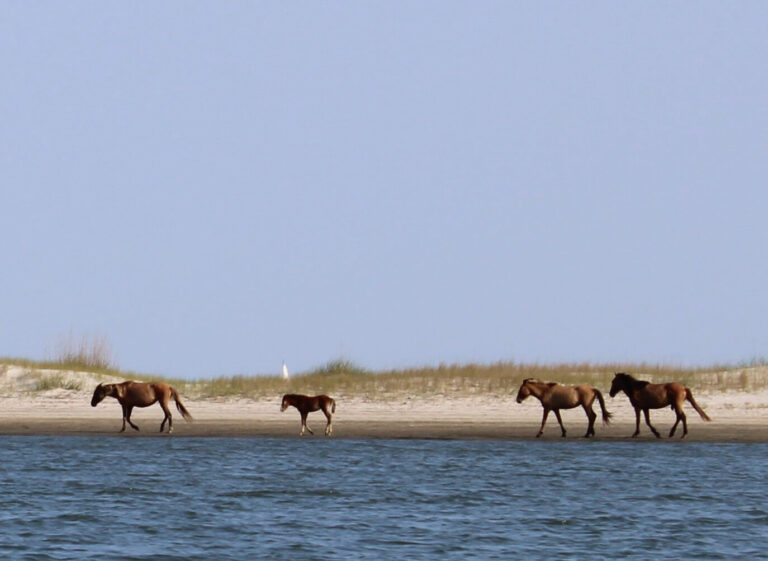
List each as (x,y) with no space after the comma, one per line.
(55,381)
(495,380)
(345,378)
(86,352)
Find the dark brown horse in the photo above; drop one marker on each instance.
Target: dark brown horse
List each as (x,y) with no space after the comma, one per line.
(306,404)
(554,397)
(141,394)
(644,396)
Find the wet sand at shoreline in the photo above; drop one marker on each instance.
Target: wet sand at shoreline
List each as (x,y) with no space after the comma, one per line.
(618,432)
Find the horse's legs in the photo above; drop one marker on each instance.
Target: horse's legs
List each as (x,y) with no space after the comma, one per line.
(543,422)
(647,414)
(637,422)
(304,424)
(591,416)
(685,423)
(680,417)
(168,417)
(328,427)
(674,426)
(127,410)
(559,420)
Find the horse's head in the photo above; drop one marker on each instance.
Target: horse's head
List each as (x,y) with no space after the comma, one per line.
(525,390)
(619,383)
(286,402)
(99,393)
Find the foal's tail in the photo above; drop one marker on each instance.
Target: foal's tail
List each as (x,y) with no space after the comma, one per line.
(699,410)
(180,405)
(333,405)
(606,415)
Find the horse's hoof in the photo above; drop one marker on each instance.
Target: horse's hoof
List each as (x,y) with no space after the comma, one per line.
(539,435)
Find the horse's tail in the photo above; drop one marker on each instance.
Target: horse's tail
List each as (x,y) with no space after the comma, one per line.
(180,405)
(606,415)
(699,410)
(333,405)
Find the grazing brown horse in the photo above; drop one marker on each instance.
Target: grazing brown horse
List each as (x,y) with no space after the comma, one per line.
(554,397)
(141,394)
(644,395)
(306,404)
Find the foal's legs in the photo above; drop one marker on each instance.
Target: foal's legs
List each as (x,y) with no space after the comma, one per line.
(559,420)
(648,422)
(304,424)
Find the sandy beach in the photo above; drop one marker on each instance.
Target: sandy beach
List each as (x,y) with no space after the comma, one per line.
(736,417)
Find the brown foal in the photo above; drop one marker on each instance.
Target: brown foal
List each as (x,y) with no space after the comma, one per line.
(306,404)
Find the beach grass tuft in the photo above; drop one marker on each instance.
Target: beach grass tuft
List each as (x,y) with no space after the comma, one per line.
(57,381)
(84,353)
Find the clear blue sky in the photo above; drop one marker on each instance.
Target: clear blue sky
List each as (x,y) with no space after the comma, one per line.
(218,187)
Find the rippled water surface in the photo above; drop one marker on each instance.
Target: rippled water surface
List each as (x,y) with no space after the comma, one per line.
(195,498)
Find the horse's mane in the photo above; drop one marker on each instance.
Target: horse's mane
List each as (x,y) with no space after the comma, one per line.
(537,381)
(632,380)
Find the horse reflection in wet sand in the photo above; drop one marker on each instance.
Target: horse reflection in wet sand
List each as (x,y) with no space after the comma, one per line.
(644,395)
(306,404)
(141,394)
(554,396)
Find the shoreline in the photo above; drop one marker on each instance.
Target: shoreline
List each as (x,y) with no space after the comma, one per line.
(381,430)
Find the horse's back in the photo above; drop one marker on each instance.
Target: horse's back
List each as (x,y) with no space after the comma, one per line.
(317,402)
(656,396)
(565,397)
(323,402)
(144,394)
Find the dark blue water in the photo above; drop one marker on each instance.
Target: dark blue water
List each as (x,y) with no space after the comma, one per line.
(195,498)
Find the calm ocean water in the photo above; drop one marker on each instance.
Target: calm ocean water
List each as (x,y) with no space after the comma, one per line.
(316,498)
